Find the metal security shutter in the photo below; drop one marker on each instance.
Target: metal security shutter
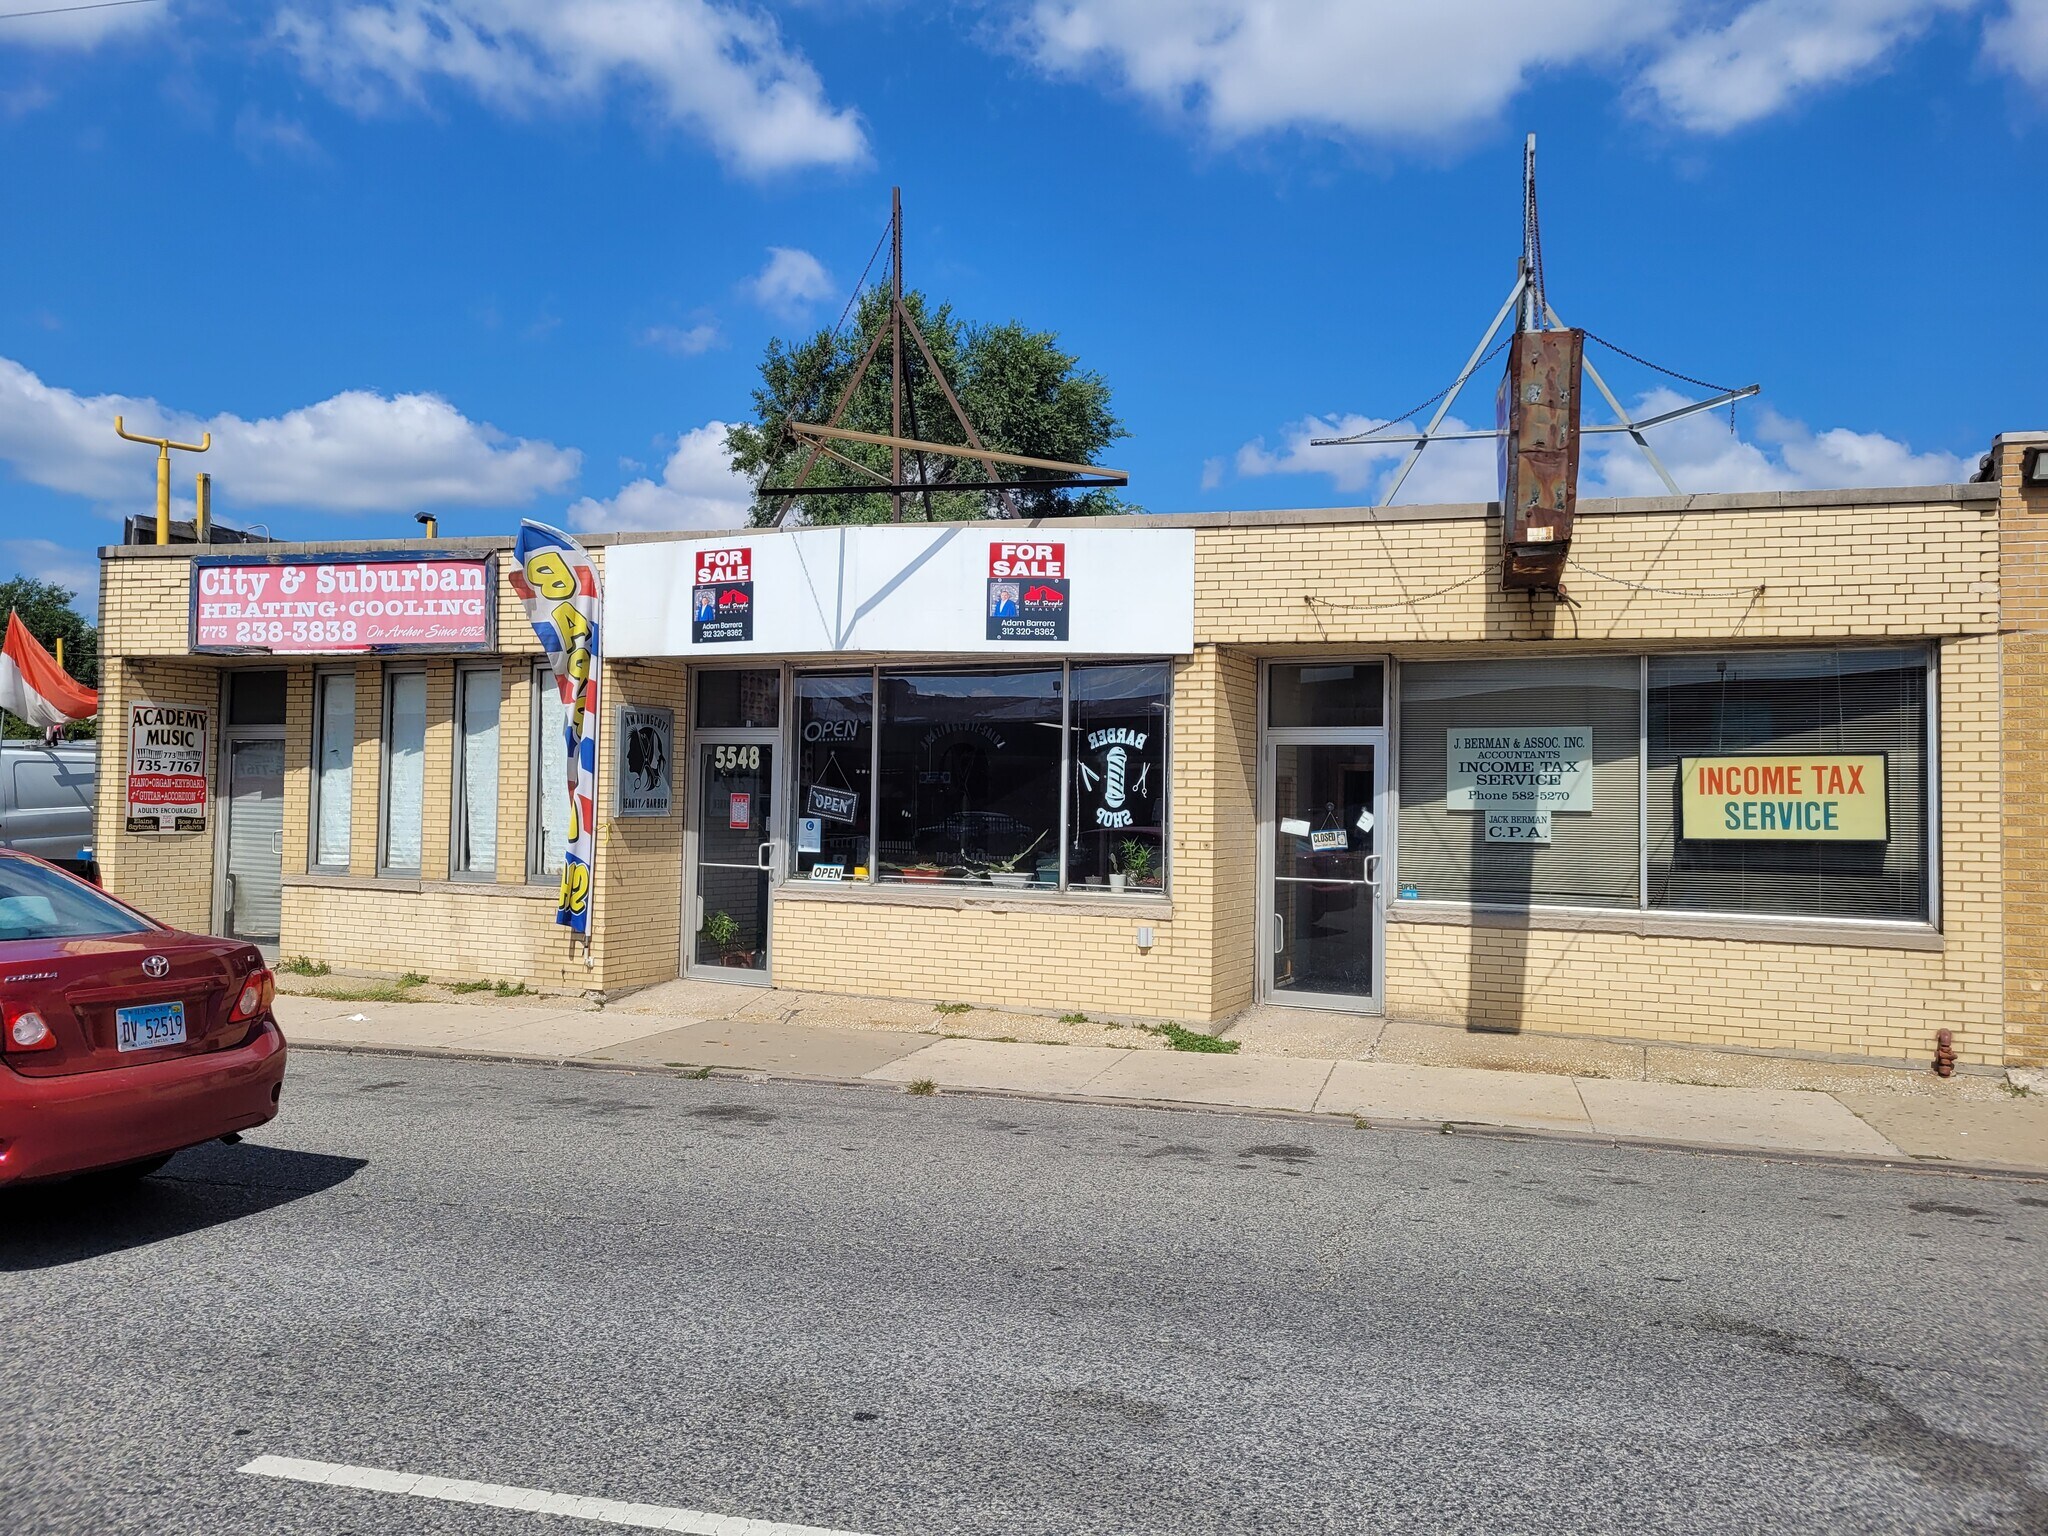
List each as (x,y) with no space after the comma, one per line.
(1806,701)
(255,837)
(1592,858)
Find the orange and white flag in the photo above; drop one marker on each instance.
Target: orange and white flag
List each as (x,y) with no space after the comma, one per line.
(34,687)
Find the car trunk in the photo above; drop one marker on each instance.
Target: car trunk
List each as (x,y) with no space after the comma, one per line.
(80,986)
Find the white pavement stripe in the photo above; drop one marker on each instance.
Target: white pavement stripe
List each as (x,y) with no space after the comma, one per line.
(648,1517)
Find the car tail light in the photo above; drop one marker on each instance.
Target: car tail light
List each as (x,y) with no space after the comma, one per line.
(257,992)
(26,1031)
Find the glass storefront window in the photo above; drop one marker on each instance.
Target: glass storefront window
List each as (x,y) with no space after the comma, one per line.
(1325,693)
(834,772)
(970,777)
(548,792)
(1519,781)
(1774,845)
(728,700)
(1117,794)
(334,745)
(477,691)
(405,763)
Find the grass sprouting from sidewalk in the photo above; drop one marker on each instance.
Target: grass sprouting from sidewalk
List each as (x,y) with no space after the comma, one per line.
(1180,1038)
(299,965)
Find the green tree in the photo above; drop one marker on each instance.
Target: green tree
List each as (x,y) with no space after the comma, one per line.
(46,609)
(1023,394)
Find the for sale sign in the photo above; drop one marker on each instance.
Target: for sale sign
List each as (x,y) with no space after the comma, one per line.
(1028,595)
(167,768)
(722,597)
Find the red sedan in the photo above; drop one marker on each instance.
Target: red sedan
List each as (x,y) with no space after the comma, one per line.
(121,1041)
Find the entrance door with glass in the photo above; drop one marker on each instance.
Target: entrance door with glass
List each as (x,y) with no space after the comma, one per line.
(255,840)
(734,834)
(1322,882)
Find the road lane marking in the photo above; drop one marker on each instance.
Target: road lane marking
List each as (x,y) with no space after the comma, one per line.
(647,1517)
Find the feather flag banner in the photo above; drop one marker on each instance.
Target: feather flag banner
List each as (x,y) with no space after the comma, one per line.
(557,582)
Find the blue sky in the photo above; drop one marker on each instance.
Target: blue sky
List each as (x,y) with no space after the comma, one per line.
(505,257)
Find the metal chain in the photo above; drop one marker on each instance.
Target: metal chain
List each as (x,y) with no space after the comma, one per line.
(1416,410)
(860,284)
(1683,378)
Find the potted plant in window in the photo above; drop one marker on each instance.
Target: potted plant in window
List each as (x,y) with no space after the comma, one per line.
(1139,862)
(1005,871)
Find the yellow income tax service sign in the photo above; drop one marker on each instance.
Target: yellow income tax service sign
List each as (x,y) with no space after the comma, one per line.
(1807,798)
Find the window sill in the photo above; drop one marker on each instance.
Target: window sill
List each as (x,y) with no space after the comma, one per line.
(1675,925)
(1151,909)
(412,885)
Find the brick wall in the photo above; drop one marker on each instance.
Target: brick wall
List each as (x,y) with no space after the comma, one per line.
(2023,622)
(1714,572)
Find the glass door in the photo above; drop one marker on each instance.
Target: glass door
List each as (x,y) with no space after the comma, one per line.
(735,841)
(1322,906)
(254,895)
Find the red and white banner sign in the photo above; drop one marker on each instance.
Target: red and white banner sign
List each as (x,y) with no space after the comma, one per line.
(724,565)
(325,606)
(167,746)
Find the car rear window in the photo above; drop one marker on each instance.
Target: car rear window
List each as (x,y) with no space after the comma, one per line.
(39,903)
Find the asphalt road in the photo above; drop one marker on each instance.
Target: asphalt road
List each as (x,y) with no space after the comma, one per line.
(898,1316)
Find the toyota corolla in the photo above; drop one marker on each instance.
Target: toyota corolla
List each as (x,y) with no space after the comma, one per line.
(121,1041)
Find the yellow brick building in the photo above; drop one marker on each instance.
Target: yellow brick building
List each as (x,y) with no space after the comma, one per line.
(1343,770)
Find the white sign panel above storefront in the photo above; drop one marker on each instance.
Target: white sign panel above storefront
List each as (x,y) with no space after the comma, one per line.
(945,589)
(1519,768)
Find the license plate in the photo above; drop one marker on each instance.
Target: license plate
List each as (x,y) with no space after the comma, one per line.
(140,1029)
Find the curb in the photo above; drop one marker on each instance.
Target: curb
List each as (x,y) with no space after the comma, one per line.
(1937,1167)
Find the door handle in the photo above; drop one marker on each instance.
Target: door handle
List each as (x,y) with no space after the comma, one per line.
(233,889)
(1279,934)
(1372,869)
(764,857)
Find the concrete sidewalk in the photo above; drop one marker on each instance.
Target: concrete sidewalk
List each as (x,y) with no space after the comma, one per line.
(1888,1115)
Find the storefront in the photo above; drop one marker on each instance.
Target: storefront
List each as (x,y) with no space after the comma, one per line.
(1743,788)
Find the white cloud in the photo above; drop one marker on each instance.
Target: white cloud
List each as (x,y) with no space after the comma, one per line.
(791,283)
(2017,42)
(354,452)
(682,340)
(1771,52)
(1701,453)
(722,71)
(264,136)
(698,489)
(1397,70)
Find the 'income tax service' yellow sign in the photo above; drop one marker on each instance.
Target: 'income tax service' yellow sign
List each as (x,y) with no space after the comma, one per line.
(1808,798)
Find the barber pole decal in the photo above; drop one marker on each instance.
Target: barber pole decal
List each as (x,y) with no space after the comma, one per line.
(558,584)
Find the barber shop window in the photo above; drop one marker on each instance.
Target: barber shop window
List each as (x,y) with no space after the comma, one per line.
(334,749)
(547,799)
(1040,778)
(1519,782)
(404,776)
(970,777)
(834,772)
(477,691)
(1790,783)
(1117,789)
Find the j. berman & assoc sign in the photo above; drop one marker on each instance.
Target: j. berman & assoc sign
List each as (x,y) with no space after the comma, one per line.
(325,605)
